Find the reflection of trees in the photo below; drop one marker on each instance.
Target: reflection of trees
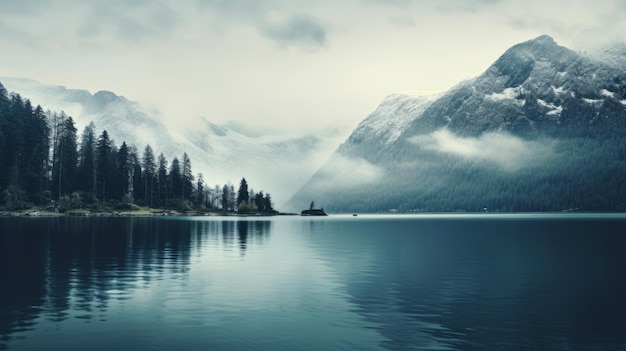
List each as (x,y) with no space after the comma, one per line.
(61,267)
(251,231)
(54,267)
(22,277)
(247,231)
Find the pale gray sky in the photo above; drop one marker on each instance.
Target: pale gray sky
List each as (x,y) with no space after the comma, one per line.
(290,64)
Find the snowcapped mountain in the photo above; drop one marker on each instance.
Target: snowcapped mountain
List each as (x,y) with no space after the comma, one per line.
(275,163)
(542,128)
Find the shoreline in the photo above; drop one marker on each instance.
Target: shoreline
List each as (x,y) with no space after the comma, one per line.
(135,213)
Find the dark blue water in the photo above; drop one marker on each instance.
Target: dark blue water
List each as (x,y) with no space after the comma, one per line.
(525,282)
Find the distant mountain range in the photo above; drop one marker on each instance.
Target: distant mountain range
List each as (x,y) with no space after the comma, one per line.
(275,163)
(542,129)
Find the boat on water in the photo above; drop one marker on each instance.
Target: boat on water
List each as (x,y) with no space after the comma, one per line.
(314,212)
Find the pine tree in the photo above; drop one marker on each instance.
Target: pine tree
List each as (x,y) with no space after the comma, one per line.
(187,178)
(232,200)
(225,192)
(4,99)
(4,107)
(65,166)
(149,175)
(259,201)
(175,179)
(13,143)
(87,160)
(243,197)
(267,206)
(137,177)
(36,144)
(124,172)
(162,194)
(104,166)
(198,195)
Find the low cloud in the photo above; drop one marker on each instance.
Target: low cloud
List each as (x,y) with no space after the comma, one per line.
(348,173)
(505,150)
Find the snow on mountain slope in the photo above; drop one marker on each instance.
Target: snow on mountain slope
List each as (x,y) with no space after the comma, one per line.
(611,52)
(535,86)
(392,116)
(540,127)
(276,163)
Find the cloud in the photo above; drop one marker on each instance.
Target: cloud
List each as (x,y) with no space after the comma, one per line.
(465,5)
(503,149)
(136,21)
(402,21)
(441,5)
(65,24)
(299,30)
(22,7)
(349,173)
(274,20)
(19,35)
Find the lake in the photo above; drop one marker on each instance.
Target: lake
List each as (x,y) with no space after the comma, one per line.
(423,282)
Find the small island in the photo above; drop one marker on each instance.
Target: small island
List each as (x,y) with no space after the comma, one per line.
(312,211)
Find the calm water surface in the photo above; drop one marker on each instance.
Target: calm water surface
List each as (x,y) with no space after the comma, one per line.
(524,282)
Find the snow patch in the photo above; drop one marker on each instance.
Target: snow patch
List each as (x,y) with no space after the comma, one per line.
(593,101)
(554,110)
(607,93)
(623,102)
(508,94)
(558,91)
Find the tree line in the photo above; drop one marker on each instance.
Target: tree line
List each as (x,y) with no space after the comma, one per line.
(579,175)
(42,163)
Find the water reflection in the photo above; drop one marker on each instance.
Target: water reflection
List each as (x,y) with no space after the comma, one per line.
(477,285)
(323,283)
(59,268)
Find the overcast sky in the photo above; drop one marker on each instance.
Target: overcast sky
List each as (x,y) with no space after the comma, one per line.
(289,64)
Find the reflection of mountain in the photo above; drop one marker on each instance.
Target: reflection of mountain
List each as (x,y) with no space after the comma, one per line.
(60,268)
(458,284)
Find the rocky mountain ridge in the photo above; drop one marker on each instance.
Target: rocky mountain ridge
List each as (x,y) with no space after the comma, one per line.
(526,135)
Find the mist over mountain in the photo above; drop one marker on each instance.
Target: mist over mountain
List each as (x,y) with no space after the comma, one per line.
(542,129)
(125,120)
(274,162)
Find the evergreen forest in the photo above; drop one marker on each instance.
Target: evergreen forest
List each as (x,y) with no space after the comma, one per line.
(45,164)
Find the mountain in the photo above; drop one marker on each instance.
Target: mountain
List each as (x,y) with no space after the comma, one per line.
(542,129)
(278,163)
(275,163)
(123,119)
